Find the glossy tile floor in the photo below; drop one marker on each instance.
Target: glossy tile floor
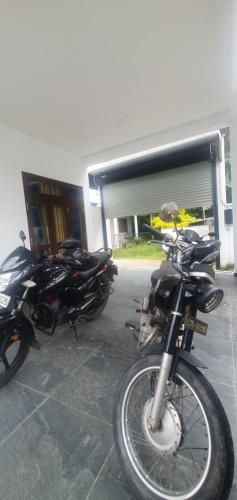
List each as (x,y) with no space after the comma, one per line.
(55,417)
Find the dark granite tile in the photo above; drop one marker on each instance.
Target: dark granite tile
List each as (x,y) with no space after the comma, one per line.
(91,334)
(217,356)
(234,328)
(111,483)
(235,360)
(16,403)
(226,393)
(44,370)
(121,343)
(219,324)
(92,387)
(55,455)
(58,452)
(233,493)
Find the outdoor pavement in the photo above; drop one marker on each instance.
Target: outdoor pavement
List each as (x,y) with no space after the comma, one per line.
(55,418)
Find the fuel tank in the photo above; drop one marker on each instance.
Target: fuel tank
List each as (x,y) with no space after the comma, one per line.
(164,292)
(53,276)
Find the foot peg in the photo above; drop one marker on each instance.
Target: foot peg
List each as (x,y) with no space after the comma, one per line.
(131,326)
(135,331)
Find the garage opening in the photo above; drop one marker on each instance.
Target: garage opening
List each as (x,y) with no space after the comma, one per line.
(132,192)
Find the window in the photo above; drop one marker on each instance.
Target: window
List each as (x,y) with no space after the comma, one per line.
(123,225)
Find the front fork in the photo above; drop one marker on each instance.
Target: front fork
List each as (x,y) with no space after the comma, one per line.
(167,359)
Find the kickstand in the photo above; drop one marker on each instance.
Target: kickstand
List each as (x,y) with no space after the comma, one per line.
(74,328)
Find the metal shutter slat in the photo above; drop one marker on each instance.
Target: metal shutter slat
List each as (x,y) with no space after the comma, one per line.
(189,186)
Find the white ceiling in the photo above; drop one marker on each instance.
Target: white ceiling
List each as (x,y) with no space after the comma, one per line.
(87,75)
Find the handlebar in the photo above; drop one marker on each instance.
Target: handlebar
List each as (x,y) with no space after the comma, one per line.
(158,234)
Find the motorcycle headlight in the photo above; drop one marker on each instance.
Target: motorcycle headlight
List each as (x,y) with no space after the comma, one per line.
(5,280)
(208,298)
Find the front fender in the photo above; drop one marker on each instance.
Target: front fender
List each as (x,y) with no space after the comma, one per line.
(20,321)
(27,329)
(189,358)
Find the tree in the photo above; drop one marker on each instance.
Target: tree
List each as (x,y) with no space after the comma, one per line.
(184,216)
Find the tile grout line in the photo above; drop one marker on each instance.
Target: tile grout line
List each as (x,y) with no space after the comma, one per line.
(45,394)
(71,374)
(48,395)
(79,410)
(99,473)
(23,421)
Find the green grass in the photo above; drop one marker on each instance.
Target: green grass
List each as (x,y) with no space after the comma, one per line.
(228,267)
(141,251)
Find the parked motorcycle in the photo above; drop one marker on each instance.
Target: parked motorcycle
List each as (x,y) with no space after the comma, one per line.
(170,428)
(64,288)
(153,319)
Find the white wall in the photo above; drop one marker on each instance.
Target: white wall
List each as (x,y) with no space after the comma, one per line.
(19,152)
(228,257)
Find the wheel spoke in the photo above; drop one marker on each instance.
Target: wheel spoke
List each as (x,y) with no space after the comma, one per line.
(139,439)
(191,414)
(193,448)
(194,423)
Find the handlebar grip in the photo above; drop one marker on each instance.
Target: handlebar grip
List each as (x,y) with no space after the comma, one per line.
(158,234)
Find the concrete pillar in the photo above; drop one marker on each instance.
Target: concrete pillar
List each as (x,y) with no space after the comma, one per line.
(221,203)
(233,152)
(233,134)
(116,232)
(136,226)
(108,230)
(130,227)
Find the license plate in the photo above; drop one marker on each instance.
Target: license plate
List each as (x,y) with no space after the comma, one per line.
(4,300)
(196,325)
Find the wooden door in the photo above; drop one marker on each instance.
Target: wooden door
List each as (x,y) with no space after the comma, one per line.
(55,211)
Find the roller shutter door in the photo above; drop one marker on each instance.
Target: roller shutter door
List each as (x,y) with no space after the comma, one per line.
(189,186)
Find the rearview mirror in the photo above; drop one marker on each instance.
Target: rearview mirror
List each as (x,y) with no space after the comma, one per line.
(22,237)
(169,212)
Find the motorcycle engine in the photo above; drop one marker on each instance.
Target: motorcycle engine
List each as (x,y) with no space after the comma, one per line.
(152,325)
(44,315)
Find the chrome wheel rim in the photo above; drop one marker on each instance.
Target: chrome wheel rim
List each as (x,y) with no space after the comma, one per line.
(176,472)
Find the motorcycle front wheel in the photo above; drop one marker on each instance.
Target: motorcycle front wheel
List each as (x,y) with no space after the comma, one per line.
(191,455)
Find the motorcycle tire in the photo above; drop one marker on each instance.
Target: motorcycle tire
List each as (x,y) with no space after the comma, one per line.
(96,312)
(12,366)
(215,484)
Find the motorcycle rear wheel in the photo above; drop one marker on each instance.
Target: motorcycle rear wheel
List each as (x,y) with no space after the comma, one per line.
(101,301)
(187,458)
(98,308)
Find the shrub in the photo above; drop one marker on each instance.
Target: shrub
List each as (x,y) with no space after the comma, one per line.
(184,217)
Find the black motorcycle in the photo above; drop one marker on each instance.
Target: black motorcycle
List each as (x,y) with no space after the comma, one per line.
(170,428)
(63,288)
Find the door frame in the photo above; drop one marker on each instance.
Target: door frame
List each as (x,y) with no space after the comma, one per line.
(50,200)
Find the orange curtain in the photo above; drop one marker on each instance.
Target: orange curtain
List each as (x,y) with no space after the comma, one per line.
(59,221)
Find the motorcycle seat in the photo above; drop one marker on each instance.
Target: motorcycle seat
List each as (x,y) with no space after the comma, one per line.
(201,251)
(69,244)
(93,264)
